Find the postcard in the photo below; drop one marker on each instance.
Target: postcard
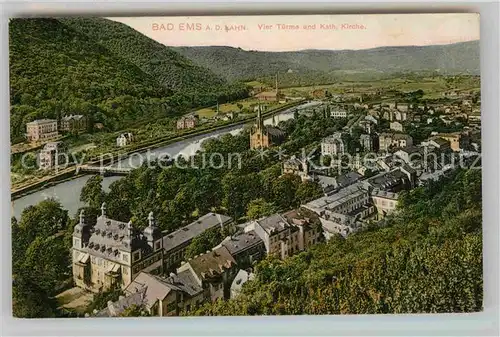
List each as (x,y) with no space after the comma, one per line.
(245,165)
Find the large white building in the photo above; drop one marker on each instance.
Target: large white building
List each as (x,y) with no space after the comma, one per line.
(338,113)
(342,212)
(332,145)
(41,129)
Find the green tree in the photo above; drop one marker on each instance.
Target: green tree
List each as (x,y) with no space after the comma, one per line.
(259,207)
(101,299)
(135,311)
(204,242)
(307,191)
(92,193)
(284,189)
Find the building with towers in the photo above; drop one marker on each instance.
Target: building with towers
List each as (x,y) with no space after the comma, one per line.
(111,253)
(265,136)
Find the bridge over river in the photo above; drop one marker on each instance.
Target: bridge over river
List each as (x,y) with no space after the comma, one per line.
(104,170)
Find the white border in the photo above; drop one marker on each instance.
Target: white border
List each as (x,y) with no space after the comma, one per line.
(485,323)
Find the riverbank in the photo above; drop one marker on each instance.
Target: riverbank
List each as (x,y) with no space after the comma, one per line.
(69,173)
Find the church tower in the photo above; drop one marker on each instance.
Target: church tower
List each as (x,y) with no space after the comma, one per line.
(259,121)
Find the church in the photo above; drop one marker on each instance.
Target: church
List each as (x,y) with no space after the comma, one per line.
(264,136)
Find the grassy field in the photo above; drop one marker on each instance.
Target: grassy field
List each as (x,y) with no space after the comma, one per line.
(255,84)
(227,107)
(432,86)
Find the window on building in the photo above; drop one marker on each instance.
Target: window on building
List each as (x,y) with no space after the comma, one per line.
(136,256)
(157,245)
(125,257)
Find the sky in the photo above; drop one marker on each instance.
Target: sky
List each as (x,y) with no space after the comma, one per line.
(298,32)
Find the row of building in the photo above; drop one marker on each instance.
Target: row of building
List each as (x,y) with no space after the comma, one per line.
(44,129)
(112,253)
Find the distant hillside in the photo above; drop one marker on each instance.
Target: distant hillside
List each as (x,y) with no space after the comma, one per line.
(235,63)
(199,85)
(105,70)
(55,70)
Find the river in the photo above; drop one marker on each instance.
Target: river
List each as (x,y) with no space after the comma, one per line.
(68,192)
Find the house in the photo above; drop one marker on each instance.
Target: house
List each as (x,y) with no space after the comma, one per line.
(98,126)
(213,271)
(388,141)
(167,296)
(267,96)
(119,307)
(111,253)
(124,139)
(411,153)
(396,126)
(41,129)
(265,136)
(455,139)
(241,278)
(332,145)
(385,202)
(175,243)
(367,126)
(246,248)
(393,181)
(372,119)
(310,231)
(438,143)
(73,123)
(296,166)
(337,112)
(187,122)
(366,142)
(331,184)
(281,238)
(52,155)
(342,212)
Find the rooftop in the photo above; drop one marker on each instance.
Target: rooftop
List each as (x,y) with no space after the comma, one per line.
(187,233)
(273,131)
(70,117)
(211,264)
(272,223)
(338,198)
(42,121)
(241,278)
(123,303)
(385,194)
(387,180)
(240,242)
(109,236)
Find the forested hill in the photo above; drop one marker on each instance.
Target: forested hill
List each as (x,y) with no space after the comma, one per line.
(236,63)
(104,70)
(426,259)
(168,67)
(55,70)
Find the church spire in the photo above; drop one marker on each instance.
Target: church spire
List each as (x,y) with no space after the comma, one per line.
(260,124)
